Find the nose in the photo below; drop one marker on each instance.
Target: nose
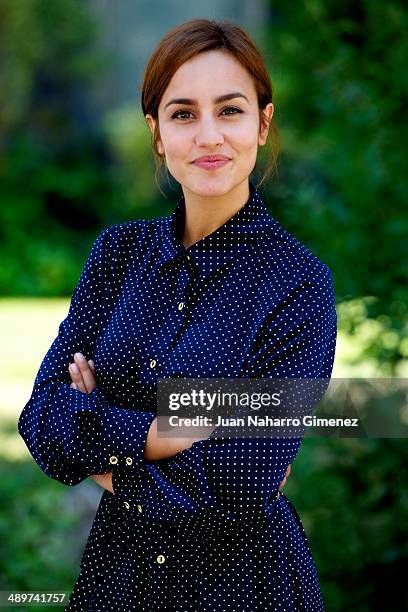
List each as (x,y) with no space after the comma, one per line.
(208,133)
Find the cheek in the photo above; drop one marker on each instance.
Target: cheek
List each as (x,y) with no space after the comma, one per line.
(244,135)
(176,142)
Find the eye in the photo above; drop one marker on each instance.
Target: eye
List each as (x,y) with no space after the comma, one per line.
(233,108)
(177,113)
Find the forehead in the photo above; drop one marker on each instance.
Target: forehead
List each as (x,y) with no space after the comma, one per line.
(207,75)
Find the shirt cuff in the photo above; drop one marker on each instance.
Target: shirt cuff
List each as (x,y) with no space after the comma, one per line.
(123,437)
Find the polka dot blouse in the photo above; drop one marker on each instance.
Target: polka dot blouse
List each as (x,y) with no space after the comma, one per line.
(205,529)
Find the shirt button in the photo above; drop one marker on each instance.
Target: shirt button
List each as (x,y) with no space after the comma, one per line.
(153,363)
(139,508)
(161,559)
(181,306)
(113,460)
(127,506)
(129,460)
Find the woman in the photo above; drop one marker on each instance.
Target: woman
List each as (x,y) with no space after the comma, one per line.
(217,289)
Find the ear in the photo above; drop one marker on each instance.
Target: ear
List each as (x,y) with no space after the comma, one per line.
(152,125)
(264,127)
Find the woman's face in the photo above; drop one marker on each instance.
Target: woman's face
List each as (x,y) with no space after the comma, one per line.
(194,122)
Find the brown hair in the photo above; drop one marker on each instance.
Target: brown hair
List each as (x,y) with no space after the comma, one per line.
(189,39)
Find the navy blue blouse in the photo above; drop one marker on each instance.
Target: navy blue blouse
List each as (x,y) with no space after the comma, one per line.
(205,529)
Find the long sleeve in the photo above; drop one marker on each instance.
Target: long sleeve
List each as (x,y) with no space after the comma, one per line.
(71,434)
(237,475)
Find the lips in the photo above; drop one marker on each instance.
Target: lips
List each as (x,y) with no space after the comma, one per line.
(211,158)
(211,162)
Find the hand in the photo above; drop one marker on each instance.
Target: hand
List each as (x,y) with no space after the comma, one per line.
(282,484)
(104,480)
(82,374)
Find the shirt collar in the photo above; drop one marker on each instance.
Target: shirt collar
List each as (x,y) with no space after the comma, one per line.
(237,235)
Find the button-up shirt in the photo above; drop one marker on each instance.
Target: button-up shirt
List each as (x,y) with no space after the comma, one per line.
(205,528)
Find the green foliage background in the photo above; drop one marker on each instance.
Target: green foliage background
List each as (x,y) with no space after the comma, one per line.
(66,171)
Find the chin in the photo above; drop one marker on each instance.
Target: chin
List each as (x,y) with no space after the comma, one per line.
(210,186)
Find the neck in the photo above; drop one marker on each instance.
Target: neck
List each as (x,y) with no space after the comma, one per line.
(205,214)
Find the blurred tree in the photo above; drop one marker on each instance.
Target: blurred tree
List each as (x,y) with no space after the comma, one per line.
(338,69)
(351,496)
(61,180)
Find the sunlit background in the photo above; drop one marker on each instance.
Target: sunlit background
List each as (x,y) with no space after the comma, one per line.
(75,157)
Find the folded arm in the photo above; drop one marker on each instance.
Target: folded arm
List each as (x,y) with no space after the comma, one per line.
(71,434)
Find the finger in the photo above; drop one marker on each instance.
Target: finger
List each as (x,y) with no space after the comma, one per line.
(87,374)
(92,366)
(76,377)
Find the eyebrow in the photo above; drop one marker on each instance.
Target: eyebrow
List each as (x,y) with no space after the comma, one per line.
(190,102)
